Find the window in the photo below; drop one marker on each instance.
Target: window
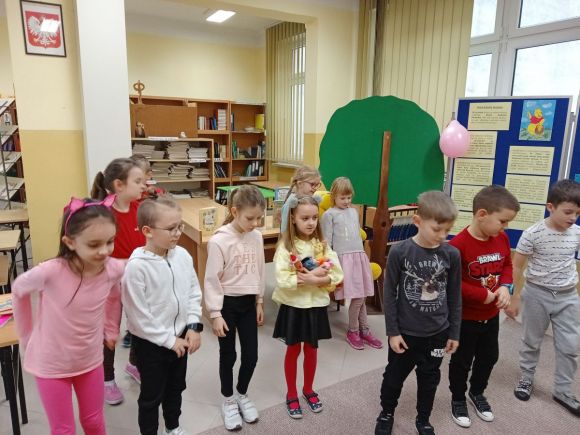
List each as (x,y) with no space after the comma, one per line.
(525,47)
(285,77)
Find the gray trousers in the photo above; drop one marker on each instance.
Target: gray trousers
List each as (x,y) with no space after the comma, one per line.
(541,306)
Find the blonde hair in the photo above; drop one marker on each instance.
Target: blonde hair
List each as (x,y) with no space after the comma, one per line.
(290,234)
(341,186)
(302,173)
(142,162)
(242,197)
(148,211)
(436,205)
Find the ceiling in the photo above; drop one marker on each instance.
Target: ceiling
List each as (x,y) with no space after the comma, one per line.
(181,20)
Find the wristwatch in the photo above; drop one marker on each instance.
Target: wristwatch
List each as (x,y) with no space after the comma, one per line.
(197,327)
(510,288)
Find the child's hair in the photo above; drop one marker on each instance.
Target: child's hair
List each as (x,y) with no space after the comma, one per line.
(147,213)
(243,197)
(436,205)
(73,224)
(289,235)
(341,186)
(142,162)
(495,198)
(564,191)
(118,169)
(303,173)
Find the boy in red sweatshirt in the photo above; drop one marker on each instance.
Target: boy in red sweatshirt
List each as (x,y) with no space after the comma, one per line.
(486,285)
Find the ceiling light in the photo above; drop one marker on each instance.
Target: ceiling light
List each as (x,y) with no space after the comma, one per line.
(220,16)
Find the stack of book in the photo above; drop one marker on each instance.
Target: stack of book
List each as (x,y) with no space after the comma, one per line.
(254,169)
(179,171)
(199,172)
(160,171)
(158,154)
(177,150)
(144,149)
(220,115)
(195,153)
(5,311)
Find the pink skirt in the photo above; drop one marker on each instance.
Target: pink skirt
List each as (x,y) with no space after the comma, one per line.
(358,280)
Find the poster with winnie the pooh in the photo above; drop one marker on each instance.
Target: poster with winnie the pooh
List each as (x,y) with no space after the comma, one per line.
(537,120)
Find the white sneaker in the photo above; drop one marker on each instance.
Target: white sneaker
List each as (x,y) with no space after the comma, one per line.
(177,431)
(247,408)
(231,414)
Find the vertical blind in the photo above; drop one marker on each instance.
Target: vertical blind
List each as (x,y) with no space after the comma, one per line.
(285,76)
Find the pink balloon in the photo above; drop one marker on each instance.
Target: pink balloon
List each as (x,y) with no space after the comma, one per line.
(454,141)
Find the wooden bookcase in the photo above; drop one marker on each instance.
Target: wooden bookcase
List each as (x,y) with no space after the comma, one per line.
(236,147)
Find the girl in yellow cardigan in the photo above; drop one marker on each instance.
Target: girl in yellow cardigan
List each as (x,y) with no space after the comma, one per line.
(306,271)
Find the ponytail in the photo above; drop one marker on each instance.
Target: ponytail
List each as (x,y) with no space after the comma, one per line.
(99,190)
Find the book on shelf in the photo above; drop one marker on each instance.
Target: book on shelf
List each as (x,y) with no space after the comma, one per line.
(221,121)
(280,193)
(254,169)
(234,149)
(221,196)
(219,171)
(144,149)
(208,219)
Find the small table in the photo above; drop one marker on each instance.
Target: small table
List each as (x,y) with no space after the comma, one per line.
(9,242)
(18,216)
(13,384)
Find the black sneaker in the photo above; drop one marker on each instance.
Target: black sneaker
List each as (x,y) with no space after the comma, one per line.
(424,428)
(127,340)
(523,389)
(384,424)
(460,413)
(569,402)
(481,406)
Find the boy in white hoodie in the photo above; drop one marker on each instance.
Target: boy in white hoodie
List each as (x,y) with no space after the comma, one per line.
(162,299)
(233,292)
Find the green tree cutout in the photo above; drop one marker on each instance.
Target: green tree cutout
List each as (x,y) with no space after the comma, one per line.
(353,142)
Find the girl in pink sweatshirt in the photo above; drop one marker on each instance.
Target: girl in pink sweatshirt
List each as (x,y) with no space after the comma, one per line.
(233,293)
(62,342)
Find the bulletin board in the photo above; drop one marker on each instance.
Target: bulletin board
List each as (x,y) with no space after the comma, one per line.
(573,171)
(517,142)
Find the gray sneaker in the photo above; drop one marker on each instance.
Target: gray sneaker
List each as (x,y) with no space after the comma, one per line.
(523,389)
(569,402)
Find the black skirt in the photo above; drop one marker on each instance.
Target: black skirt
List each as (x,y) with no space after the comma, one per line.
(297,325)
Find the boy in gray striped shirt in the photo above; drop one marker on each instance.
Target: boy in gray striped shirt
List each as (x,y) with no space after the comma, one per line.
(549,293)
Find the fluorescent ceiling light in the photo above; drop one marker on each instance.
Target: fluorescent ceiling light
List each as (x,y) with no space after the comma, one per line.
(220,16)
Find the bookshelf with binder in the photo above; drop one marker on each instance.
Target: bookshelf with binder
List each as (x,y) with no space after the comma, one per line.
(12,192)
(238,150)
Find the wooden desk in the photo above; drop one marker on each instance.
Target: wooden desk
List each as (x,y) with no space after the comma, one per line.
(9,242)
(18,217)
(12,372)
(195,241)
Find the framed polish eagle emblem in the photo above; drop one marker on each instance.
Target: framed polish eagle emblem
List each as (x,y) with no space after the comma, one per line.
(43,28)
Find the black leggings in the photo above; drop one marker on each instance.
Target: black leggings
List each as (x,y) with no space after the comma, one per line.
(239,313)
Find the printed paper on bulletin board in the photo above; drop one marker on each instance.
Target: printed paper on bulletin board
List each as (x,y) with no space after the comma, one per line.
(477,172)
(489,116)
(463,220)
(528,215)
(482,144)
(536,160)
(528,188)
(463,195)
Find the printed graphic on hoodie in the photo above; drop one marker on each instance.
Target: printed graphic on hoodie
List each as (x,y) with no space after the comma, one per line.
(425,284)
(245,260)
(487,269)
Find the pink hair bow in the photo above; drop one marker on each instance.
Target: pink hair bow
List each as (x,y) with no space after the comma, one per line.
(77,204)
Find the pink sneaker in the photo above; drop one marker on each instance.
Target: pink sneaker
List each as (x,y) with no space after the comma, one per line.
(113,395)
(133,371)
(368,338)
(353,338)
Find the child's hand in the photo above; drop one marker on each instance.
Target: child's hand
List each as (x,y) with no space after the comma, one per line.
(110,344)
(398,344)
(219,327)
(260,314)
(490,297)
(320,271)
(503,297)
(513,308)
(193,339)
(452,346)
(307,277)
(180,347)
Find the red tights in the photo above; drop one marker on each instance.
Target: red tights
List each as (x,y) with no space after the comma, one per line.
(291,368)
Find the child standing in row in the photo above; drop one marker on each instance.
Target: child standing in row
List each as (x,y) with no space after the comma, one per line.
(341,229)
(162,299)
(233,292)
(422,306)
(303,297)
(549,294)
(486,283)
(79,307)
(126,180)
(306,181)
